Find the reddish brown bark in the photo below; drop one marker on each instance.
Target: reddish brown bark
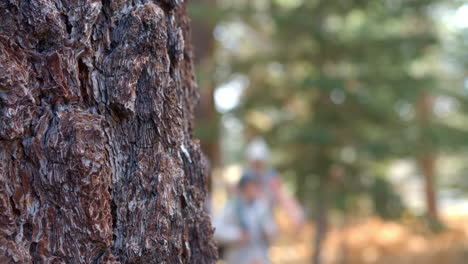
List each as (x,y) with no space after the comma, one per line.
(427,164)
(97,159)
(206,115)
(427,159)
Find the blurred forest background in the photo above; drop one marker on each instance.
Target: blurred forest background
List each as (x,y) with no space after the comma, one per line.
(365,106)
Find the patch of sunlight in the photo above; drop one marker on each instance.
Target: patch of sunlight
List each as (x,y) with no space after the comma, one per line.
(370,254)
(232,173)
(289,3)
(460,19)
(417,244)
(227,96)
(259,120)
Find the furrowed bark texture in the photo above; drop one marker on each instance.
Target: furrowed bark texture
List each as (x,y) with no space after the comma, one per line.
(97,159)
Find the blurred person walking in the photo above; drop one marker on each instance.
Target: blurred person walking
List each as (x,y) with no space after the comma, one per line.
(271,184)
(245,228)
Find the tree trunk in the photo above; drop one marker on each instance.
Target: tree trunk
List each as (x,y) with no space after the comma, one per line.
(205,114)
(97,159)
(427,164)
(343,247)
(427,159)
(321,224)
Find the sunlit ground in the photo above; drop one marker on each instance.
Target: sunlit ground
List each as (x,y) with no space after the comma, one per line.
(375,241)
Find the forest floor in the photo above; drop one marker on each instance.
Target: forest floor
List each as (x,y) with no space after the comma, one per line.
(372,241)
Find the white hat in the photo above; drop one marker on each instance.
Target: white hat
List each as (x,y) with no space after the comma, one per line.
(257,149)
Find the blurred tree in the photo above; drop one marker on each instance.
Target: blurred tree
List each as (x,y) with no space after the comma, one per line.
(204,51)
(427,158)
(207,119)
(458,55)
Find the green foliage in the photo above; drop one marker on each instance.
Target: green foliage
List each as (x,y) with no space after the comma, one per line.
(386,202)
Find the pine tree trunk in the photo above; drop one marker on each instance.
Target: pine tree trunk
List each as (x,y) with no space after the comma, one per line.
(427,164)
(205,114)
(321,225)
(97,159)
(204,50)
(427,159)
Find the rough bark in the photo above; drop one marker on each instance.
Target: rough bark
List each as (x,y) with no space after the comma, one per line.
(97,159)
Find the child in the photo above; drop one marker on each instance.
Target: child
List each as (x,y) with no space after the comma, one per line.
(246,226)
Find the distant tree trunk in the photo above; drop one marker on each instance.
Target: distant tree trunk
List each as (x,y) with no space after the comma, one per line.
(343,247)
(97,159)
(321,225)
(427,159)
(324,165)
(427,164)
(205,114)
